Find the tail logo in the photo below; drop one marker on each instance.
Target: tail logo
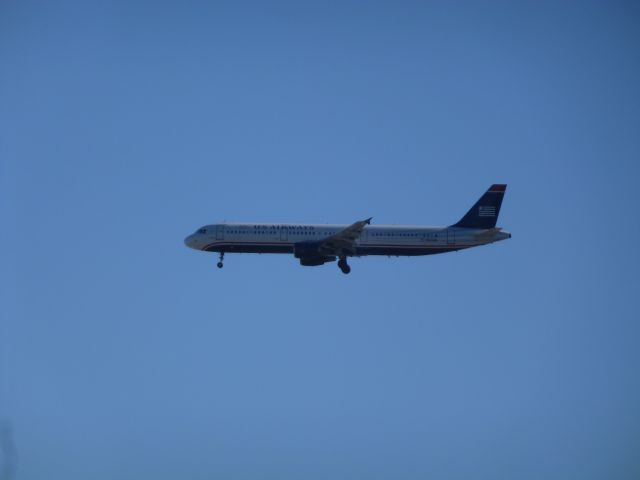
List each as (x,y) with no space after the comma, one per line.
(486,211)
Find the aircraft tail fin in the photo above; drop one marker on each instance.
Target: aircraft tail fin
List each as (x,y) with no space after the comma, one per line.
(484,214)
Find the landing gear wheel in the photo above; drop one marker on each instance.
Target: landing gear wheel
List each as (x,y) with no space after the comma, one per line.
(344,266)
(220,264)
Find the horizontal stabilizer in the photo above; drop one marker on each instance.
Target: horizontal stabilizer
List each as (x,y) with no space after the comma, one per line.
(487,234)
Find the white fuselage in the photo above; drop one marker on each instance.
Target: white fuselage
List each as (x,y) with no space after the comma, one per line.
(315,245)
(374,240)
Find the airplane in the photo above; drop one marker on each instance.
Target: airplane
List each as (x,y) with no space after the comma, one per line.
(315,245)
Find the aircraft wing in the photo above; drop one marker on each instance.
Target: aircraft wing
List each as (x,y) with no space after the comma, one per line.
(344,241)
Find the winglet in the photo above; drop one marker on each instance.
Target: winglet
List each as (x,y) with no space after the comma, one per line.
(368,221)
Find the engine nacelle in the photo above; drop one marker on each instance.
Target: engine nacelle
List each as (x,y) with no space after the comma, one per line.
(313,261)
(309,254)
(306,250)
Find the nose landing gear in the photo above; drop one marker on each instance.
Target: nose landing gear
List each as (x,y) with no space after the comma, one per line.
(220,264)
(343,265)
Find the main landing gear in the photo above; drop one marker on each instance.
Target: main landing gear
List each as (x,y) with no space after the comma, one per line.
(220,264)
(343,265)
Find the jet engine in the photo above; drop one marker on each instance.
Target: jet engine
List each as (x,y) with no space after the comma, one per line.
(315,261)
(309,254)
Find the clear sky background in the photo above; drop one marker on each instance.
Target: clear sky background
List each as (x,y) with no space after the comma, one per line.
(124,126)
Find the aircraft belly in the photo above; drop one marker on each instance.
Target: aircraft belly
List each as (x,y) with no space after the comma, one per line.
(249,248)
(405,251)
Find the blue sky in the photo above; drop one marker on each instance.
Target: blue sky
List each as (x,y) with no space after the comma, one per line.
(127,125)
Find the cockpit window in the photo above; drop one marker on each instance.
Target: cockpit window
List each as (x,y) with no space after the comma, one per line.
(202,230)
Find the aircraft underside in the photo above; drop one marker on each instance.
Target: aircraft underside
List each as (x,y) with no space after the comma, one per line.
(359,251)
(381,250)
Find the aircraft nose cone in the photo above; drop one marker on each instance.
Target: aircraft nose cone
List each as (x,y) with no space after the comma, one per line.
(189,241)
